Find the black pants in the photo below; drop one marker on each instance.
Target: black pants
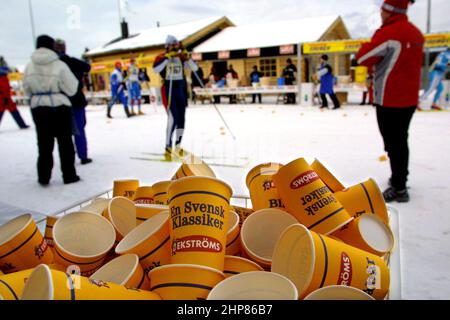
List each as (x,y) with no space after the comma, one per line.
(254,98)
(333,98)
(54,123)
(394,126)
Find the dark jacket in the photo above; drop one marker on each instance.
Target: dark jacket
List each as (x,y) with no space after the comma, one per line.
(79,69)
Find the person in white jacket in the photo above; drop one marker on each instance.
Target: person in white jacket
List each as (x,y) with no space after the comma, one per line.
(49,82)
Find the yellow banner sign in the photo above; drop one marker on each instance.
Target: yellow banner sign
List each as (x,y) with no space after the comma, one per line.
(333,46)
(437,40)
(350,46)
(108,66)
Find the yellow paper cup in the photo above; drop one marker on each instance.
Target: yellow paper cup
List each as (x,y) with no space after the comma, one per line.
(338,293)
(22,245)
(308,199)
(48,235)
(146,211)
(194,167)
(11,285)
(236,265)
(233,243)
(327,177)
(150,241)
(313,261)
(125,188)
(97,206)
(160,192)
(47,284)
(263,192)
(199,213)
(368,233)
(255,285)
(260,233)
(124,270)
(364,198)
(122,215)
(83,239)
(184,281)
(243,213)
(144,195)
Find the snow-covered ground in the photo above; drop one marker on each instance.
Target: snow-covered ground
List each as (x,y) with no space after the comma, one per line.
(347,141)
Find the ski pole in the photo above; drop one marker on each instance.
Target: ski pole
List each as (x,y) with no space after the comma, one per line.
(169,98)
(214,104)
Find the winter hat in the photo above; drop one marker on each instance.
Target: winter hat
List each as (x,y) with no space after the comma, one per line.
(45,41)
(396,6)
(60,46)
(118,64)
(171,40)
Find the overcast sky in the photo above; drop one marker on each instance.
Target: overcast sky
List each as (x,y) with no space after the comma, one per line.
(89,23)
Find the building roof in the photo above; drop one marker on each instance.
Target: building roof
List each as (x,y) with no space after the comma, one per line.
(157,36)
(269,34)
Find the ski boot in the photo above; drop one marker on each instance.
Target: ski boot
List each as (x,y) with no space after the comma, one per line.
(392,194)
(168,154)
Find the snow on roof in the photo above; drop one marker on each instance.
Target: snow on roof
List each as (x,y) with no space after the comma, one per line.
(156,36)
(268,34)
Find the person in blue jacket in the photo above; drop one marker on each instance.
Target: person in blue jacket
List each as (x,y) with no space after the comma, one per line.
(79,68)
(117,90)
(437,74)
(134,87)
(325,74)
(255,77)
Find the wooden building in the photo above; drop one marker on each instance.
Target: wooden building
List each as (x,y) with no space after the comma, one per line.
(269,45)
(146,45)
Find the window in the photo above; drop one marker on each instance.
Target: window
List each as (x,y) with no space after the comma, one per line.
(268,67)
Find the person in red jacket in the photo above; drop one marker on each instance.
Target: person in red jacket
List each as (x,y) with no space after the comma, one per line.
(396,54)
(6,102)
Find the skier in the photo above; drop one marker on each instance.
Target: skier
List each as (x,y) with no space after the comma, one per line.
(396,53)
(437,73)
(134,87)
(325,74)
(6,103)
(117,90)
(170,65)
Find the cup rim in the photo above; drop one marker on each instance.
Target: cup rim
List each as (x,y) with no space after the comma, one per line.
(59,247)
(181,180)
(235,225)
(245,244)
(251,174)
(242,259)
(161,183)
(122,257)
(303,231)
(26,223)
(126,180)
(193,168)
(380,222)
(48,274)
(111,218)
(342,287)
(185,265)
(237,278)
(138,228)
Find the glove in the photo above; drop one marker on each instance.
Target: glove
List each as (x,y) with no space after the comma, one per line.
(171,54)
(185,55)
